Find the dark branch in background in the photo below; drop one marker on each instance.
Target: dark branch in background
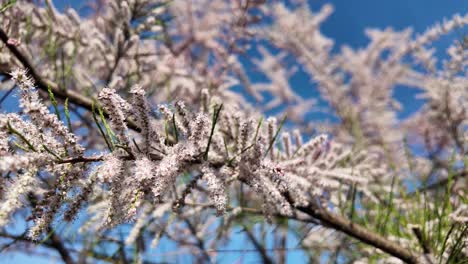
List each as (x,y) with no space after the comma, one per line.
(200,243)
(48,243)
(261,250)
(57,244)
(62,93)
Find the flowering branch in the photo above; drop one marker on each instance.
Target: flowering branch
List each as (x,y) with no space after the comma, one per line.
(46,86)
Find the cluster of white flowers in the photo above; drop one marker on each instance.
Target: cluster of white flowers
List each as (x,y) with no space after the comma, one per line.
(25,183)
(300,170)
(134,174)
(40,115)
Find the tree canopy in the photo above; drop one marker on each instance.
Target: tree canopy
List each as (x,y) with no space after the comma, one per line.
(144,122)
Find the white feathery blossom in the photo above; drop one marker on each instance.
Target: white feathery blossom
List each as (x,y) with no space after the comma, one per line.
(254,173)
(158,213)
(244,135)
(216,188)
(28,131)
(287,144)
(161,210)
(297,138)
(3,143)
(144,169)
(313,146)
(439,30)
(273,198)
(199,132)
(167,114)
(460,215)
(53,200)
(39,227)
(167,170)
(297,169)
(22,161)
(142,110)
(23,184)
(40,114)
(110,167)
(116,108)
(111,172)
(279,77)
(98,210)
(185,117)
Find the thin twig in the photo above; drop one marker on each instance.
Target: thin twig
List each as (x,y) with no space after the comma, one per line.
(359,232)
(259,247)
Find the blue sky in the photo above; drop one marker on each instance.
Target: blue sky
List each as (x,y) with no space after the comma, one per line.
(350,18)
(346,26)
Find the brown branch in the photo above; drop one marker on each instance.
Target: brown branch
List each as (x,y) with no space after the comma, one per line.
(60,92)
(422,241)
(57,244)
(81,159)
(344,225)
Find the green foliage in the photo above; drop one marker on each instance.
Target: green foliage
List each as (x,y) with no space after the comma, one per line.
(270,145)
(216,112)
(54,102)
(67,115)
(21,136)
(106,136)
(438,233)
(7,5)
